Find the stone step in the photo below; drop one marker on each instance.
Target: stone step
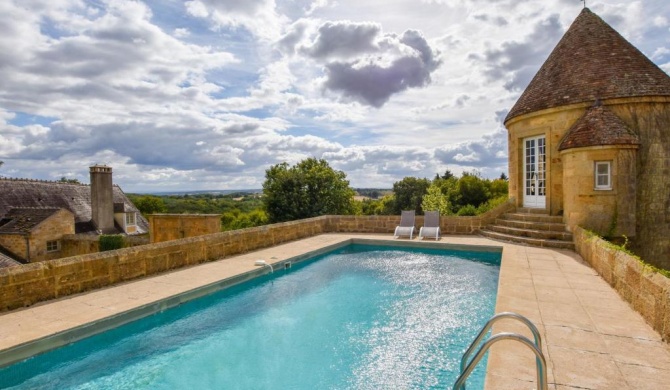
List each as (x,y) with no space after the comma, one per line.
(527,217)
(527,240)
(528,210)
(550,226)
(532,233)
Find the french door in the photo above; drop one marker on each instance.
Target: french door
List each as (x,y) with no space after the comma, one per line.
(534,172)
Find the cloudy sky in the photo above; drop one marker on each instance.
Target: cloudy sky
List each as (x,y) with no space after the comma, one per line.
(207,94)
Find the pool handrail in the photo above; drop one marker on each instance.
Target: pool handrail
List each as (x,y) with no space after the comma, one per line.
(487,327)
(539,357)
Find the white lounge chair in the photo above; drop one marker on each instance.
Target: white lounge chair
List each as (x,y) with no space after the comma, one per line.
(406,227)
(431,225)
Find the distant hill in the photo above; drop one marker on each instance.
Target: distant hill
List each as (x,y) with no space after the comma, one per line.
(372,193)
(202,192)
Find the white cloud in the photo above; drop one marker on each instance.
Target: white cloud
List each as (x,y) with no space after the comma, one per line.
(660,21)
(660,53)
(181,32)
(490,151)
(208,94)
(257,16)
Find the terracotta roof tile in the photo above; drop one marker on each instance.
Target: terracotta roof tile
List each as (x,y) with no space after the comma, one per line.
(599,126)
(592,61)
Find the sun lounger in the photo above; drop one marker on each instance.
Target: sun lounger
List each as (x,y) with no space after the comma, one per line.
(406,227)
(431,225)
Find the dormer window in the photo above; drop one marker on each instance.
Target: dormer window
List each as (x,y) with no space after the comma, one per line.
(130,219)
(603,175)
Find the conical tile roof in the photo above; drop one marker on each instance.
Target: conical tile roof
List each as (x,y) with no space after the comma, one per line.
(592,61)
(598,127)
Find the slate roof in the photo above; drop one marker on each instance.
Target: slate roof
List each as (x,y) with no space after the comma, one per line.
(592,61)
(6,259)
(23,220)
(599,126)
(23,193)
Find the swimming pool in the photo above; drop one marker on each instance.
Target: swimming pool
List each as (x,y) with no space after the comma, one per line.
(360,317)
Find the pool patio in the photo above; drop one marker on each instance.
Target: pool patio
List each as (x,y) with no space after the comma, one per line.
(592,338)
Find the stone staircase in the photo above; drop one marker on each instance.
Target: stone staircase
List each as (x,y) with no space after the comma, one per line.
(532,227)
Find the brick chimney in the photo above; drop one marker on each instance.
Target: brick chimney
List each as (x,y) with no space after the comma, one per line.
(102,199)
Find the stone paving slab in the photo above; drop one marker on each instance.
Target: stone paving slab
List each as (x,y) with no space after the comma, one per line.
(592,338)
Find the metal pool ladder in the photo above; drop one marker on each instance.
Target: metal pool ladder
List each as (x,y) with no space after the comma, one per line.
(536,347)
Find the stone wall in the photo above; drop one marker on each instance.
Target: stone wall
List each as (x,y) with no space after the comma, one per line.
(79,244)
(17,244)
(83,244)
(553,124)
(652,122)
(607,212)
(388,223)
(32,247)
(168,227)
(31,283)
(52,229)
(648,292)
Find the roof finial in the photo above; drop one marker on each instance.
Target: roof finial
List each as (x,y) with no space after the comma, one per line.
(583,1)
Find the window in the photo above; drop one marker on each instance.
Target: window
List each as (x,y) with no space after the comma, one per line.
(603,175)
(130,219)
(53,246)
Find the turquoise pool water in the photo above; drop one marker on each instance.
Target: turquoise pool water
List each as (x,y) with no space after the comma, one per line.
(358,318)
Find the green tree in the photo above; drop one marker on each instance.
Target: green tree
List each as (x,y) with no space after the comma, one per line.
(382,206)
(447,175)
(471,190)
(499,188)
(307,189)
(66,180)
(150,204)
(435,200)
(409,193)
(235,219)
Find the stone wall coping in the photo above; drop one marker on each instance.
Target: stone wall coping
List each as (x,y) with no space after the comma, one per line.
(184,215)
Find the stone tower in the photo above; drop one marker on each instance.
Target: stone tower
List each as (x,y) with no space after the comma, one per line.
(589,139)
(102,199)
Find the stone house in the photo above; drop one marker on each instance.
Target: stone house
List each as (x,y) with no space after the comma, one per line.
(589,139)
(35,216)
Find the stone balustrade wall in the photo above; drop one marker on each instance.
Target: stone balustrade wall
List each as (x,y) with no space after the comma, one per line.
(648,292)
(25,285)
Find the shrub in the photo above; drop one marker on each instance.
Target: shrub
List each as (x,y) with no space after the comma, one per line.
(110,242)
(467,210)
(491,204)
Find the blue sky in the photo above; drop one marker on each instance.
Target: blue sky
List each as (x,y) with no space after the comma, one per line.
(207,94)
